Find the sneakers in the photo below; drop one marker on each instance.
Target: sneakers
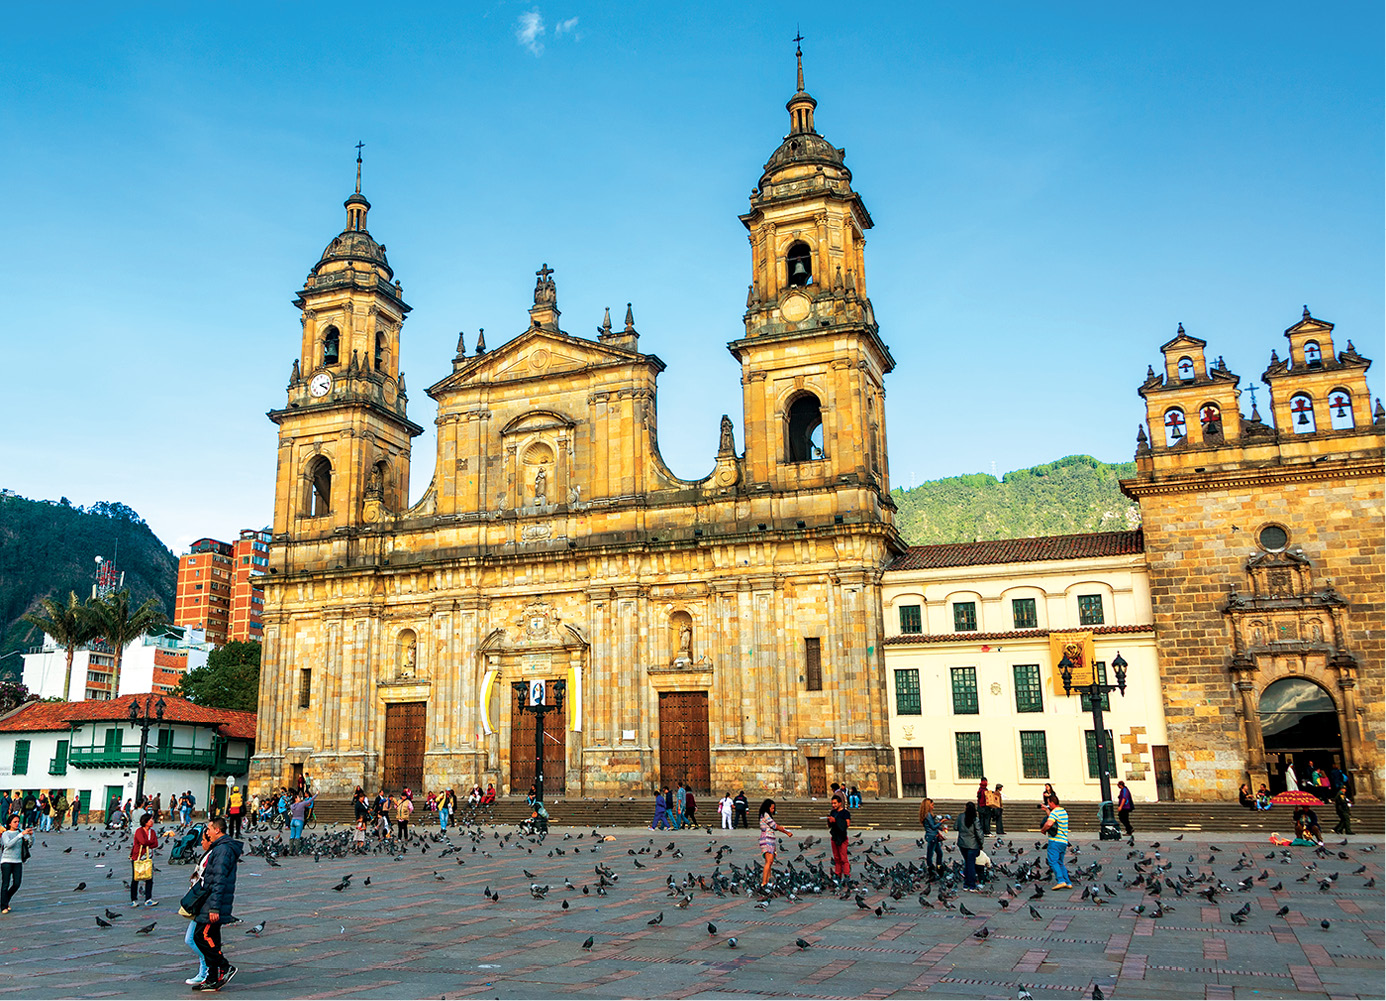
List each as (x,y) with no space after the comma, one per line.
(195,981)
(151,903)
(216,985)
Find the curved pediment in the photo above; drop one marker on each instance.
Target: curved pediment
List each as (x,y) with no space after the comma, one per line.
(538,420)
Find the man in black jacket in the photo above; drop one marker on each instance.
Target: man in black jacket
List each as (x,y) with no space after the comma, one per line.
(219,878)
(739,806)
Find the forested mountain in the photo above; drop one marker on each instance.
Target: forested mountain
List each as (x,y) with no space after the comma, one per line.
(1075,494)
(50,548)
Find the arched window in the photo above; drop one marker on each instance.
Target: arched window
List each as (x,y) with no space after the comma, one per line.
(799,261)
(380,350)
(1186,369)
(331,346)
(1174,426)
(1211,418)
(1340,409)
(1299,716)
(319,501)
(1313,355)
(1302,413)
(805,432)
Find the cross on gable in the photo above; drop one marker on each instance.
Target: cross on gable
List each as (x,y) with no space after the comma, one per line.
(544,272)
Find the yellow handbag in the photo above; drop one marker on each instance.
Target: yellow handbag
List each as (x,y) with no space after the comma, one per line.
(143,866)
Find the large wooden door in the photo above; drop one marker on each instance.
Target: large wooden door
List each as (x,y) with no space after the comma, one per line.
(522,748)
(818,776)
(404,746)
(912,775)
(1164,775)
(683,742)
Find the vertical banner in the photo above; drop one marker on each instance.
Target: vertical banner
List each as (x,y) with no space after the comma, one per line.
(1079,650)
(536,692)
(487,726)
(574,698)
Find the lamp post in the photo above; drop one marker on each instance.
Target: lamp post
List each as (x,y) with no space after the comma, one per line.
(144,720)
(532,697)
(1107,825)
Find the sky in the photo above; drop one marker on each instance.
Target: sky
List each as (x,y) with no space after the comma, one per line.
(1054,188)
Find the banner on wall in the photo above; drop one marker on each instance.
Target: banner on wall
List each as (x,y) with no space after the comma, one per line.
(1078,647)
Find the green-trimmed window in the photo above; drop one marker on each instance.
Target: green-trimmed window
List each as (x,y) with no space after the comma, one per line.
(965,691)
(1099,668)
(964,616)
(114,739)
(1091,736)
(911,621)
(21,758)
(1034,754)
(907,692)
(1029,697)
(1090,610)
(969,755)
(1023,612)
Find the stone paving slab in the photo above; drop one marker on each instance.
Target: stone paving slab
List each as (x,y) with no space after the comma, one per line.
(424,929)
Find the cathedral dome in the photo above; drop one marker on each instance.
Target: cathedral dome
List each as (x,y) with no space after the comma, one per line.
(354,245)
(805,148)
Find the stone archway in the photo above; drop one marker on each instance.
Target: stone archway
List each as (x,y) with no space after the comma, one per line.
(1299,723)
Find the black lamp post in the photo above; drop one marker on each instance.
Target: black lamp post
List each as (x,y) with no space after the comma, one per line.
(145,721)
(1107,827)
(532,697)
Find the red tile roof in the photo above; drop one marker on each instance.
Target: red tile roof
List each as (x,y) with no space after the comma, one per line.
(1012,635)
(1048,547)
(33,716)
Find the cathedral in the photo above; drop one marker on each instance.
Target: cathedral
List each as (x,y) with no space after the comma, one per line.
(723,632)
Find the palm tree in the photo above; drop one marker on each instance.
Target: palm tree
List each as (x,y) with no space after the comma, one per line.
(70,626)
(118,625)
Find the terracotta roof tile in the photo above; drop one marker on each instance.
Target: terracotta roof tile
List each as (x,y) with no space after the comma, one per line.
(34,716)
(1048,547)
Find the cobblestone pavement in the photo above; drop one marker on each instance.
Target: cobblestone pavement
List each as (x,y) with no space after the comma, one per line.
(424,929)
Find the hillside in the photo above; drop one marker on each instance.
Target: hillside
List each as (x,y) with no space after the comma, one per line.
(1074,494)
(49,548)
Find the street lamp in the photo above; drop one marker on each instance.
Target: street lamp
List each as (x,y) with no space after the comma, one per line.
(1107,825)
(145,721)
(532,698)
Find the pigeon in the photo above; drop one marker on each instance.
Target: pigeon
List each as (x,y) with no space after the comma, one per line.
(981,932)
(1034,914)
(565,905)
(658,919)
(1097,994)
(731,942)
(1322,924)
(804,944)
(103,923)
(67,851)
(257,929)
(711,928)
(587,943)
(962,909)
(1024,995)
(79,887)
(113,914)
(366,881)
(146,929)
(1282,912)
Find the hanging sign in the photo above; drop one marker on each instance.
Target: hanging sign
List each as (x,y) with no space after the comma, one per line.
(1077,646)
(536,692)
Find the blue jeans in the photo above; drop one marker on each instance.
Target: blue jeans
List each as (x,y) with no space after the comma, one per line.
(295,829)
(190,941)
(443,818)
(1057,851)
(933,849)
(970,867)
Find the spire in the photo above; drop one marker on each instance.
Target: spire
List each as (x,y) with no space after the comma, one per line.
(356,204)
(359,144)
(481,341)
(630,319)
(798,58)
(801,105)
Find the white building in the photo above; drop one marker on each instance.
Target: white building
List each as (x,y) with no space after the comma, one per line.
(91,750)
(152,663)
(975,689)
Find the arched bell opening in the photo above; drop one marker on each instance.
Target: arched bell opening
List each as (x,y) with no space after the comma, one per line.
(318,501)
(799,264)
(331,346)
(804,431)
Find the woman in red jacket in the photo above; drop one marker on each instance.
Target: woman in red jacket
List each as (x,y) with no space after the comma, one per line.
(145,838)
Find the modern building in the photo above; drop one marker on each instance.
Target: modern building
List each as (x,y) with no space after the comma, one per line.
(219,589)
(249,561)
(91,750)
(156,662)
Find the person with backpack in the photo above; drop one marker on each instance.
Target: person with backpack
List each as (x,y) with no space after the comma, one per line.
(14,851)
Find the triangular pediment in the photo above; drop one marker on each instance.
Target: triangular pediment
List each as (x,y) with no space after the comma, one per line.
(1182,340)
(1309,325)
(539,354)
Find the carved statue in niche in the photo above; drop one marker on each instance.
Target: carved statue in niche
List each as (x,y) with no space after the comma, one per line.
(408,654)
(541,486)
(727,444)
(681,628)
(1316,630)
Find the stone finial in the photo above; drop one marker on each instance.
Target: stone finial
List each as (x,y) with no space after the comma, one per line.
(837,279)
(461,345)
(401,384)
(604,331)
(294,376)
(750,295)
(1306,311)
(355,365)
(1275,357)
(1180,330)
(1142,442)
(1379,414)
(630,320)
(481,341)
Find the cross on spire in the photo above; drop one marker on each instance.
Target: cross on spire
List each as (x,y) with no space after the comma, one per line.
(544,273)
(359,144)
(799,54)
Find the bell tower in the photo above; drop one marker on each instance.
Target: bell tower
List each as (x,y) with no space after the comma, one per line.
(812,361)
(344,439)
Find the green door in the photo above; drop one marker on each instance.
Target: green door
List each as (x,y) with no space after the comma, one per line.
(83,802)
(112,793)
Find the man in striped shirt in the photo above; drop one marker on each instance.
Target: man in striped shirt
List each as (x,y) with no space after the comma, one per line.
(1057,828)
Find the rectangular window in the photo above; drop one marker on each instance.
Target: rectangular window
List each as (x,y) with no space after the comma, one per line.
(813,663)
(910,619)
(907,692)
(969,755)
(1099,668)
(965,691)
(1091,736)
(1028,696)
(113,741)
(1090,610)
(1034,755)
(964,616)
(305,686)
(21,757)
(1023,612)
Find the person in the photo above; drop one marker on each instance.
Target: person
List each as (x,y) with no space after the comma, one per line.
(839,819)
(218,873)
(1291,777)
(158,806)
(769,838)
(490,795)
(740,804)
(1263,797)
(660,820)
(298,816)
(474,798)
(725,809)
(538,818)
(983,808)
(680,807)
(1245,798)
(1325,789)
(970,836)
(1123,805)
(12,859)
(854,798)
(690,807)
(1056,826)
(358,836)
(382,816)
(1337,778)
(996,806)
(403,809)
(360,807)
(1307,826)
(45,813)
(1046,796)
(60,808)
(447,807)
(235,801)
(144,843)
(1343,807)
(31,812)
(934,828)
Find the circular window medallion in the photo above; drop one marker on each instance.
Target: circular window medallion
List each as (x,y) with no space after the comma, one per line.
(795,308)
(1273,538)
(539,359)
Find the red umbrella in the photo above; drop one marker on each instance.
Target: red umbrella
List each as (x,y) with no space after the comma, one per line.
(1297,798)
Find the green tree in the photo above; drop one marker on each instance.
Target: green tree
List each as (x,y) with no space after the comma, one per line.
(229,680)
(118,625)
(70,626)
(12,694)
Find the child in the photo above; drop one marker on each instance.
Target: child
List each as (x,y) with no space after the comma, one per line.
(359,837)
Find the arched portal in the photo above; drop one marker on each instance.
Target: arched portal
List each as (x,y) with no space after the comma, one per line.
(1299,724)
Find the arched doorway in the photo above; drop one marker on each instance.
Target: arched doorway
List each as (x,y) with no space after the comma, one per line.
(1299,723)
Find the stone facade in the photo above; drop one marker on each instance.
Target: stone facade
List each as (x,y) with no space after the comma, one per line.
(554,544)
(1265,547)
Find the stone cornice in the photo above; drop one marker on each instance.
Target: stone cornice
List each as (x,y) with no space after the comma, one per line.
(1231,479)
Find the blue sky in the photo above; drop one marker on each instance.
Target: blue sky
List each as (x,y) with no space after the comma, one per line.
(1054,187)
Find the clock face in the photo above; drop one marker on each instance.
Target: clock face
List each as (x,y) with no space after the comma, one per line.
(321,384)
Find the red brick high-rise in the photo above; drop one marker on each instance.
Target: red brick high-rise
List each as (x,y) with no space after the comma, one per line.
(219,588)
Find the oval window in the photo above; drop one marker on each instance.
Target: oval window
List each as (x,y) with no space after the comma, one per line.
(1273,538)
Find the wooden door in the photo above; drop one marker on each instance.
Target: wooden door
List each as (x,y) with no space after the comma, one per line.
(1164,776)
(404,746)
(522,747)
(684,755)
(818,776)
(912,776)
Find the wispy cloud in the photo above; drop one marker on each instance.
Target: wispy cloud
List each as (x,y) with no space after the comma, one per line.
(529,32)
(564,27)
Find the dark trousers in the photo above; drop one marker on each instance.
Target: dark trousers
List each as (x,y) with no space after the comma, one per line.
(235,819)
(996,813)
(740,819)
(985,816)
(11,875)
(135,886)
(970,867)
(933,849)
(208,940)
(1125,817)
